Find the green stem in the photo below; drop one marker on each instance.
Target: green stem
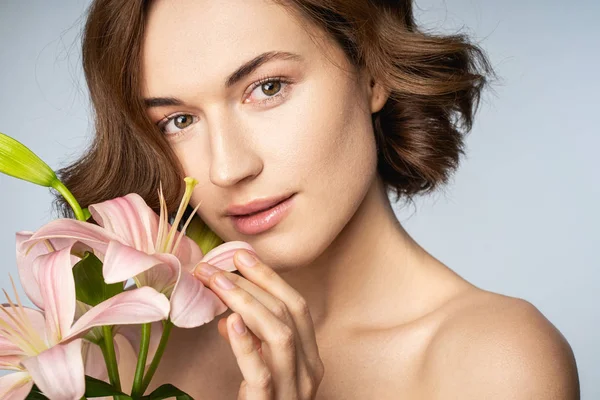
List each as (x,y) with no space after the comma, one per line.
(167,326)
(108,350)
(141,363)
(62,189)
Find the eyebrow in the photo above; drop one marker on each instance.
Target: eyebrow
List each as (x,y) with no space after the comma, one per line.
(244,70)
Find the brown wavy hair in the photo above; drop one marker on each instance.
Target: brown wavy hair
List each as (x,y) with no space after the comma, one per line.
(435,83)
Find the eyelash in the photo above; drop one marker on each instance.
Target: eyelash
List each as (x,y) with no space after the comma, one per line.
(266,79)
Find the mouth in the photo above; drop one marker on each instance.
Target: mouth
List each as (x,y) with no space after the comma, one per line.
(255,206)
(263,219)
(263,210)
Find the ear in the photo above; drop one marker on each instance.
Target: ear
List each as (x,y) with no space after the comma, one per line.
(378,95)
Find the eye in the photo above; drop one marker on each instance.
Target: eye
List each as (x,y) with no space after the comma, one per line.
(268,89)
(271,88)
(177,123)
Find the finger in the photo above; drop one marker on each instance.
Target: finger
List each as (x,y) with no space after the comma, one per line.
(275,305)
(280,351)
(279,309)
(223,331)
(268,280)
(304,367)
(258,384)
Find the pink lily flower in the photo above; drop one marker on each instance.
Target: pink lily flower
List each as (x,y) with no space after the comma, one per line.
(46,347)
(92,356)
(133,242)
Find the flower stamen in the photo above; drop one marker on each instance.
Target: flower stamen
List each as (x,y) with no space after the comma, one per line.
(23,333)
(187,223)
(190,183)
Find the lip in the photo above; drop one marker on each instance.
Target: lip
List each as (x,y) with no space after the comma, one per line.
(265,218)
(254,206)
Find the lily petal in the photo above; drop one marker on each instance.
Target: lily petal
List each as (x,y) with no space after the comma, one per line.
(8,348)
(161,277)
(11,362)
(72,231)
(32,329)
(15,386)
(93,361)
(136,306)
(123,262)
(27,274)
(188,252)
(129,218)
(58,371)
(57,287)
(222,256)
(192,303)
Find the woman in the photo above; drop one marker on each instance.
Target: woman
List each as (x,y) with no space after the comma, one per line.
(296,118)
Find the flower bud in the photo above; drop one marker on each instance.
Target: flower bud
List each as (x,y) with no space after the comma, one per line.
(18,161)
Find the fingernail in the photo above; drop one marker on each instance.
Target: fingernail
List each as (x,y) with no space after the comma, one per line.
(239,326)
(223,282)
(246,259)
(205,270)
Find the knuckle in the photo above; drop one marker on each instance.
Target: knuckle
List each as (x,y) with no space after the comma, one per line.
(299,306)
(280,310)
(263,380)
(284,338)
(319,371)
(306,389)
(247,348)
(306,386)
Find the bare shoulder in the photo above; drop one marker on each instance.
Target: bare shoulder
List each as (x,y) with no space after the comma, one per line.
(498,347)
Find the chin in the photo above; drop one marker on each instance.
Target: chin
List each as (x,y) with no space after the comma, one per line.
(296,244)
(289,245)
(302,237)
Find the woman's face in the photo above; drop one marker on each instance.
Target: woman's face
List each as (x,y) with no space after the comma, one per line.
(294,125)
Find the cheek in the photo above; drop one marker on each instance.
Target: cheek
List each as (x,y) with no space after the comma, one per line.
(333,161)
(337,152)
(193,155)
(322,147)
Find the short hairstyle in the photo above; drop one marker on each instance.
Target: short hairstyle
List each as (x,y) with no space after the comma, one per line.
(435,83)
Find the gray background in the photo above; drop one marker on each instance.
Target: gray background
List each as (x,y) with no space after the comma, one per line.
(521,215)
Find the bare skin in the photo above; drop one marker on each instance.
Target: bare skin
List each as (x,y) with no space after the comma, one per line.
(389,319)
(439,337)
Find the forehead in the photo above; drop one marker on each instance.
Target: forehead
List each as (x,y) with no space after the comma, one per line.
(210,39)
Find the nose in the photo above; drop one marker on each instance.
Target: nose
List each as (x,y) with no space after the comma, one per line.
(233,158)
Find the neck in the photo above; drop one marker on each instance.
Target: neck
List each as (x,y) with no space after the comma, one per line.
(369,263)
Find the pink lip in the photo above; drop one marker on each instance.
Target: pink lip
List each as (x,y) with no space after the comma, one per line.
(264,220)
(254,206)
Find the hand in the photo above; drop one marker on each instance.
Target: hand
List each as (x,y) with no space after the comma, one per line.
(278,355)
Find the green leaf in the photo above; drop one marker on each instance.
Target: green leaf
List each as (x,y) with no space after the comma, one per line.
(165,391)
(35,394)
(90,287)
(97,388)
